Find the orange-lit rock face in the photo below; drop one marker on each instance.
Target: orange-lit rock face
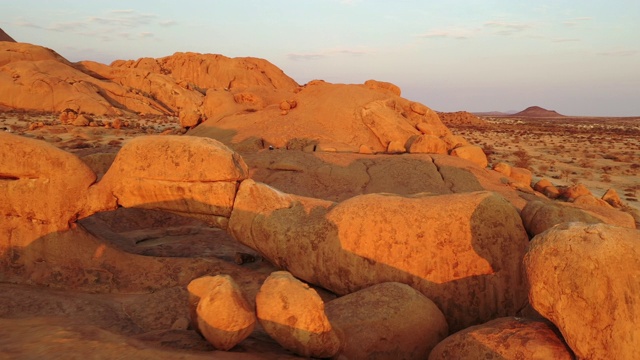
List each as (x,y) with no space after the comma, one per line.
(193,176)
(335,117)
(585,279)
(452,248)
(293,314)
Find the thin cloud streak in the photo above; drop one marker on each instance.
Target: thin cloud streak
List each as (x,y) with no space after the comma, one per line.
(106,27)
(453,34)
(325,54)
(621,53)
(506,28)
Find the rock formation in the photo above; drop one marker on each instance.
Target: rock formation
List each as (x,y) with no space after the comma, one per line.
(585,279)
(462,247)
(356,191)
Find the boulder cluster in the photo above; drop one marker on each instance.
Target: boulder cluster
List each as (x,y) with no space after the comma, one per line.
(409,269)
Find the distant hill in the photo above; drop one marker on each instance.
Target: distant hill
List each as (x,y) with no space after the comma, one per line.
(5,37)
(537,111)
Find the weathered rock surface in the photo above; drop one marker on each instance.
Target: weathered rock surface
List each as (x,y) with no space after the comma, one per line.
(339,176)
(504,338)
(463,249)
(39,189)
(224,316)
(293,314)
(388,320)
(191,176)
(585,279)
(338,116)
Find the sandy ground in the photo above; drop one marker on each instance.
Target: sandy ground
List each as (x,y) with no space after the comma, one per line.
(100,136)
(600,153)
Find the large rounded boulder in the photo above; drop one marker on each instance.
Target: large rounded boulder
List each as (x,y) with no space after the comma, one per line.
(585,278)
(463,251)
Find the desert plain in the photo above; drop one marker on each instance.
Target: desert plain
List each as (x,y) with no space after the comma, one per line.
(198,206)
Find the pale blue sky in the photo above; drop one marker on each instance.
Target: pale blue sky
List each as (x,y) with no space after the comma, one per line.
(575,57)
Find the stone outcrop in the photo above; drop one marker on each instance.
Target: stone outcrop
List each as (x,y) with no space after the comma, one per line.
(191,176)
(388,320)
(293,314)
(504,338)
(482,255)
(585,279)
(328,116)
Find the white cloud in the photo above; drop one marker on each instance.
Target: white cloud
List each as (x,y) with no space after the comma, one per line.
(507,28)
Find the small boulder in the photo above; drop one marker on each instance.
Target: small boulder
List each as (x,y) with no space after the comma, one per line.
(454,141)
(502,168)
(224,316)
(541,185)
(585,278)
(612,197)
(293,314)
(472,153)
(396,147)
(504,338)
(285,106)
(82,120)
(521,176)
(428,144)
(388,320)
(573,192)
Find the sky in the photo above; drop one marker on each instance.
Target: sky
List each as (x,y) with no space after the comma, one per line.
(575,57)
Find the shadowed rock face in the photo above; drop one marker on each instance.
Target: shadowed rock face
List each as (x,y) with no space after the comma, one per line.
(504,338)
(452,248)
